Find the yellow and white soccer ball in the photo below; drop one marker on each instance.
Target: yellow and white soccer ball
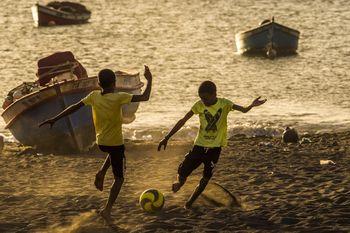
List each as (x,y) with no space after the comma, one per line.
(151,200)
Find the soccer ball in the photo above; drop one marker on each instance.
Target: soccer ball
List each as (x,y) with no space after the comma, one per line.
(151,200)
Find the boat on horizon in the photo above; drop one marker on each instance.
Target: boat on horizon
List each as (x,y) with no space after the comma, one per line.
(269,39)
(51,94)
(60,13)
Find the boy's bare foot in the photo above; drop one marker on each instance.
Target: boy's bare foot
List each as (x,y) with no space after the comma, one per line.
(99,178)
(106,215)
(176,187)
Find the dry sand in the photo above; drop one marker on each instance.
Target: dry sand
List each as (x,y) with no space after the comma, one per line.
(282,188)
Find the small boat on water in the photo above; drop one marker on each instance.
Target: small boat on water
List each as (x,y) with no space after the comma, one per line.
(60,85)
(60,13)
(270,39)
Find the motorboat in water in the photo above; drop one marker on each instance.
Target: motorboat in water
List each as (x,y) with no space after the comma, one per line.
(269,38)
(60,13)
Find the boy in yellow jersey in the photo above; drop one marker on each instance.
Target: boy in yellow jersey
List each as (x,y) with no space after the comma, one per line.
(211,137)
(107,116)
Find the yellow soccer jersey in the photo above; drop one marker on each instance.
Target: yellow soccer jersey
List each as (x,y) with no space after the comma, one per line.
(107,116)
(213,123)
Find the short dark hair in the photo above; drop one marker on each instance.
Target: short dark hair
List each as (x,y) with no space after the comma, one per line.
(207,87)
(106,78)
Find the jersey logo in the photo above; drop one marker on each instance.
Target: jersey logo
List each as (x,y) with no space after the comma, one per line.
(212,120)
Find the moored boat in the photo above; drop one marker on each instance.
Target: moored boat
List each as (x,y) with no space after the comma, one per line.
(74,133)
(60,13)
(270,39)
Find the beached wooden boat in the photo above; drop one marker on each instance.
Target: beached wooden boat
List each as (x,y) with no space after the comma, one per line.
(60,13)
(270,39)
(74,133)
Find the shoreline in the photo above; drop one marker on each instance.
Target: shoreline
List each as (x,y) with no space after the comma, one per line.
(283,187)
(187,137)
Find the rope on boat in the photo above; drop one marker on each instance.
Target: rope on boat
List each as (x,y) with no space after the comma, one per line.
(54,68)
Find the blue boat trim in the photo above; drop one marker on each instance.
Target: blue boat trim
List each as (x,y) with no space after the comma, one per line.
(265,27)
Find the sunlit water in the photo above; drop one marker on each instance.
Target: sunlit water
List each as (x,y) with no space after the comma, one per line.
(187,42)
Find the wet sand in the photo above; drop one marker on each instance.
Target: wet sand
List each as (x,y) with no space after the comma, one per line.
(282,188)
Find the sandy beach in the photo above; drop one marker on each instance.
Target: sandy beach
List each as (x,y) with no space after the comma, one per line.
(281,188)
(303,187)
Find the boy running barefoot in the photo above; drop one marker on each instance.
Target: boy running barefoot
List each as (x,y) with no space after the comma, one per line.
(211,137)
(107,116)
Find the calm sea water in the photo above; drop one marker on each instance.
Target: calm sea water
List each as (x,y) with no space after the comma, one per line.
(187,42)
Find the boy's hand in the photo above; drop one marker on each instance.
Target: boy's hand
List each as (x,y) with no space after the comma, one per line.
(258,102)
(164,143)
(147,73)
(49,121)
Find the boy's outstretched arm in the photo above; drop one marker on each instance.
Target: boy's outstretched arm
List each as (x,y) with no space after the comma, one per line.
(176,128)
(66,112)
(146,94)
(255,103)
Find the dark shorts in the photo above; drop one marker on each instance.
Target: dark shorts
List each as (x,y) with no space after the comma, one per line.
(116,157)
(198,155)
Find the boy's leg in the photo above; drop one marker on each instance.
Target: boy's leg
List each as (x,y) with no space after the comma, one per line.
(191,162)
(100,175)
(211,157)
(113,194)
(199,189)
(117,161)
